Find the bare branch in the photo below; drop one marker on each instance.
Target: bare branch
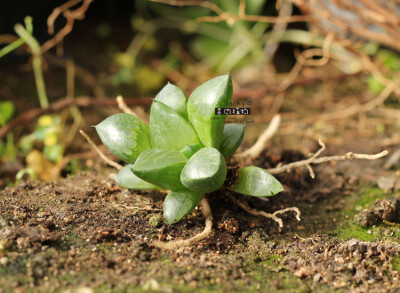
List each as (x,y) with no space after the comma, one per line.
(188,242)
(316,160)
(101,154)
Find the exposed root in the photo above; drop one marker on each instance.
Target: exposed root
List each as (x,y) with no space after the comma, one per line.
(101,154)
(191,241)
(259,146)
(314,159)
(272,216)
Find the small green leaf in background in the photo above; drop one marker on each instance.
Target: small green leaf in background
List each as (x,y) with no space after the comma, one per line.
(125,135)
(205,171)
(53,152)
(160,167)
(374,85)
(125,178)
(169,130)
(191,149)
(173,97)
(256,181)
(216,92)
(178,204)
(232,137)
(6,111)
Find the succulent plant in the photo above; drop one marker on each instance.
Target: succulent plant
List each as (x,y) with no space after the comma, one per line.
(184,148)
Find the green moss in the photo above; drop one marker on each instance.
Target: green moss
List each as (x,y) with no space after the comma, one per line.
(350,229)
(396,263)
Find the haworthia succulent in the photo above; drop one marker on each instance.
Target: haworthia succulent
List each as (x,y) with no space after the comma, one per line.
(205,171)
(256,181)
(174,98)
(160,167)
(232,137)
(214,93)
(125,135)
(178,204)
(169,130)
(125,178)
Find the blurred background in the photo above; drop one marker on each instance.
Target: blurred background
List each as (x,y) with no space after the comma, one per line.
(330,68)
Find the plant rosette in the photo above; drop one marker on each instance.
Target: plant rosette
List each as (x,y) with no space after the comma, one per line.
(184,148)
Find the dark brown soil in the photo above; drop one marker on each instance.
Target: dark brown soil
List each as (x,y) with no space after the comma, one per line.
(84,232)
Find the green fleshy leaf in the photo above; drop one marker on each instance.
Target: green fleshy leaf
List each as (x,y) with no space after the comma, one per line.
(256,181)
(178,204)
(205,171)
(125,135)
(169,130)
(232,137)
(191,149)
(160,167)
(126,179)
(173,97)
(216,92)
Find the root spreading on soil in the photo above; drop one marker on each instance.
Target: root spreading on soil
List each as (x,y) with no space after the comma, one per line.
(315,159)
(272,216)
(191,241)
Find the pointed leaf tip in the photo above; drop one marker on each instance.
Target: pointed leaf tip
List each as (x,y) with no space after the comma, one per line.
(178,204)
(173,97)
(256,181)
(126,179)
(216,92)
(124,135)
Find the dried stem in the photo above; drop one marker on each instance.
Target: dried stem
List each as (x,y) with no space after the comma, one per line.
(272,216)
(138,113)
(101,154)
(316,160)
(123,107)
(188,242)
(231,18)
(259,146)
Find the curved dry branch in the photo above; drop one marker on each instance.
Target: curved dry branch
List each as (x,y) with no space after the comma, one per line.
(259,146)
(188,242)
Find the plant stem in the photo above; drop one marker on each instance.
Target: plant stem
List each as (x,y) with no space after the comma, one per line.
(36,63)
(14,45)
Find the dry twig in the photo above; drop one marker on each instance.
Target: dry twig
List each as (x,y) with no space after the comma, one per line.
(315,159)
(259,146)
(272,216)
(231,18)
(124,108)
(82,101)
(70,16)
(101,154)
(188,242)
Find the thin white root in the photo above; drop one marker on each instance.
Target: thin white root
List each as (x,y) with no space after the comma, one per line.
(101,154)
(272,216)
(314,159)
(188,242)
(124,108)
(259,146)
